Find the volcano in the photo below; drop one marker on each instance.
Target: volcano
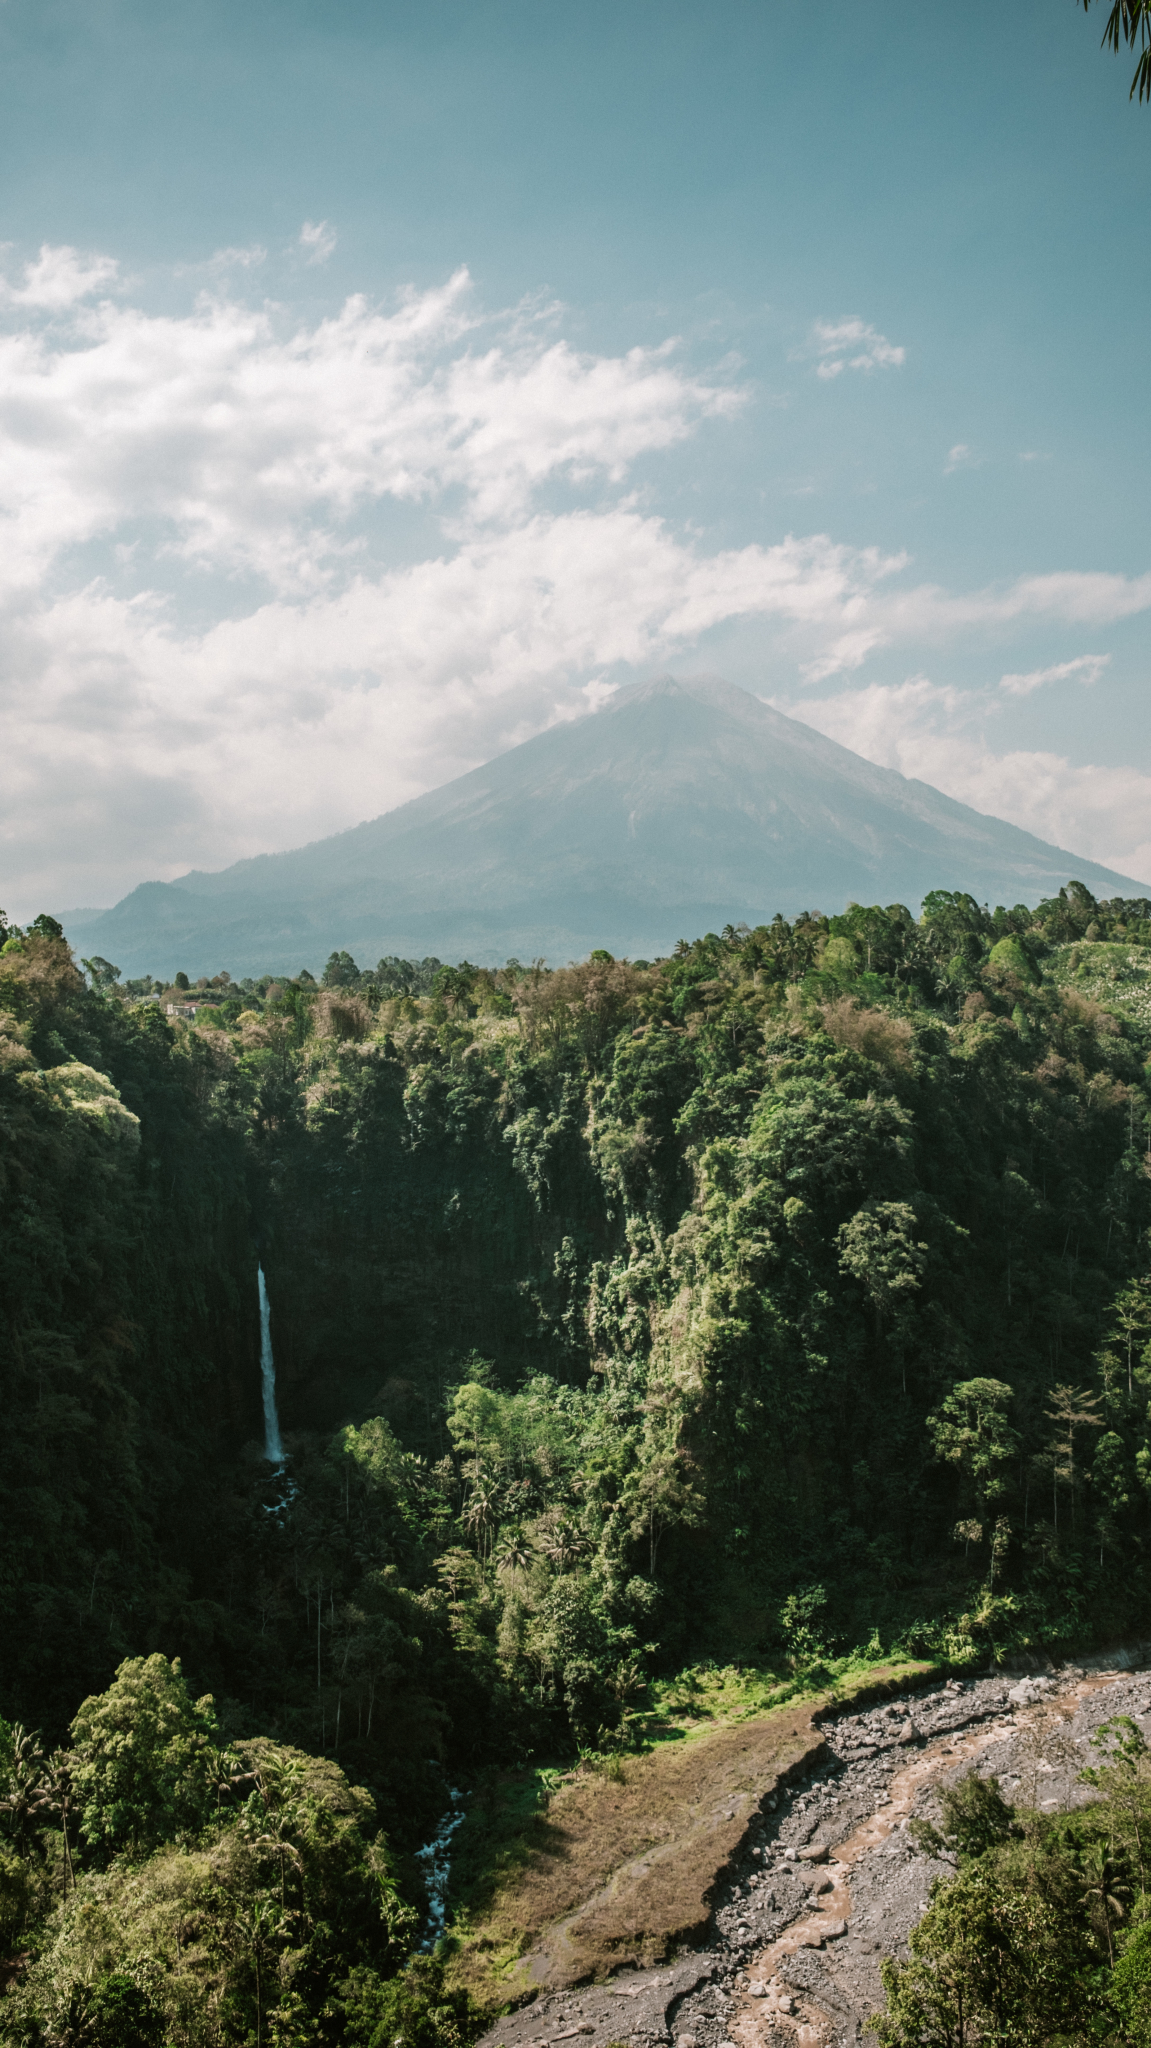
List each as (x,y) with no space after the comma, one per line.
(682,806)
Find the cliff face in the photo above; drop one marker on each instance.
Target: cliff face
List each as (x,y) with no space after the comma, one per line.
(682,806)
(127,1340)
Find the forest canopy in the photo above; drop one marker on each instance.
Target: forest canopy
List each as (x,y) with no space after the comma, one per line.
(784,1299)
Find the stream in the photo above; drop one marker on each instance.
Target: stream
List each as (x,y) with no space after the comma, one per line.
(435,1862)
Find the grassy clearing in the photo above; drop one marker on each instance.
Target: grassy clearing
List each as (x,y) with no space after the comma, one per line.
(560,1876)
(705,1695)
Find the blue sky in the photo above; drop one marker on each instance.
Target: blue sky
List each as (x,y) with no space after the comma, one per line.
(297,529)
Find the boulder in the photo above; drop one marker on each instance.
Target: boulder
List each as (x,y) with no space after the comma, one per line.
(1028,1691)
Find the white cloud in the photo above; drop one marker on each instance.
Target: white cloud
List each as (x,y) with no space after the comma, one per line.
(249,257)
(58,278)
(254,446)
(1088,668)
(836,339)
(960,457)
(262,577)
(937,734)
(305,714)
(925,615)
(318,239)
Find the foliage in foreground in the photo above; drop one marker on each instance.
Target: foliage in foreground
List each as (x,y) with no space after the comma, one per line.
(157,1886)
(1043,1936)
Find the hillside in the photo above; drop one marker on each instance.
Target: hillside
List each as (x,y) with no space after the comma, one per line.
(683,806)
(654,1348)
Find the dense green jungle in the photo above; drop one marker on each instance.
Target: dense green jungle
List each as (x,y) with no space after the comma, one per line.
(782,1302)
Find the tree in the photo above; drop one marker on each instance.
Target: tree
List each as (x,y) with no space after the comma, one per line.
(258,1931)
(1123,1779)
(513,1553)
(878,1247)
(970,1430)
(1130,22)
(101,973)
(991,1961)
(1103,1892)
(144,1758)
(1072,1408)
(1131,1321)
(341,971)
(1131,1983)
(26,1801)
(113,2013)
(976,1817)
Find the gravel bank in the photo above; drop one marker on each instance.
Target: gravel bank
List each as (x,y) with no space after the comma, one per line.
(827,1881)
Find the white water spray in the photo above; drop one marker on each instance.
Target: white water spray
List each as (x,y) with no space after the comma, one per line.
(273,1448)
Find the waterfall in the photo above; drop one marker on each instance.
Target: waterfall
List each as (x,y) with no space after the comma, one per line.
(273,1448)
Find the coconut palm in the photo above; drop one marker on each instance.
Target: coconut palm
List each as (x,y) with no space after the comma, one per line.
(513,1552)
(1103,1892)
(26,1805)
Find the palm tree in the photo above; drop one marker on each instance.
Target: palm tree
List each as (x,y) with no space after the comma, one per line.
(272,1831)
(513,1552)
(27,1804)
(1130,22)
(1103,1886)
(58,1777)
(480,1514)
(561,1544)
(258,1930)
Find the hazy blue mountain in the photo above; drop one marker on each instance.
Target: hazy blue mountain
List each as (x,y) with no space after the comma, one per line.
(683,806)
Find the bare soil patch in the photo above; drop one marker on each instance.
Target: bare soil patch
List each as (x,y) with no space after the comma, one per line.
(622,1871)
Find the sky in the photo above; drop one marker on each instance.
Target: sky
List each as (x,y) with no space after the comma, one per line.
(381,384)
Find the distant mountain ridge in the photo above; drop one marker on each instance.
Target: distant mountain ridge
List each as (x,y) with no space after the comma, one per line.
(683,805)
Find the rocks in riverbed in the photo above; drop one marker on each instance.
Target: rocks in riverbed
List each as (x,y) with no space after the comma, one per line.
(1028,1691)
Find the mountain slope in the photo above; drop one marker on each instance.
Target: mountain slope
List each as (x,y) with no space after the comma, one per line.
(684,805)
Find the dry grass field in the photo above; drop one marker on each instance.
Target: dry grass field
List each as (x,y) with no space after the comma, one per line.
(620,1866)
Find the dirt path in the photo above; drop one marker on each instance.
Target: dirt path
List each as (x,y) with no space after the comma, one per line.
(826,1879)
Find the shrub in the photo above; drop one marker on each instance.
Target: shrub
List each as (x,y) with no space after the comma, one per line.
(875,1033)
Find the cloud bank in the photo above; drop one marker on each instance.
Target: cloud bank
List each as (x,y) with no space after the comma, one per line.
(263,577)
(941,735)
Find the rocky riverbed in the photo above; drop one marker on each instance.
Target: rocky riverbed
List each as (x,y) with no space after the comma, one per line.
(828,1881)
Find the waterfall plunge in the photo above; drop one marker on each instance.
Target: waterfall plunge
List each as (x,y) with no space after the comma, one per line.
(273,1448)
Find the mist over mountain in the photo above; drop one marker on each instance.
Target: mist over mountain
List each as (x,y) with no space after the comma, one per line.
(682,806)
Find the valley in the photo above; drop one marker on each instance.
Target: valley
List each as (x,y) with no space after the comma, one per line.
(558,1413)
